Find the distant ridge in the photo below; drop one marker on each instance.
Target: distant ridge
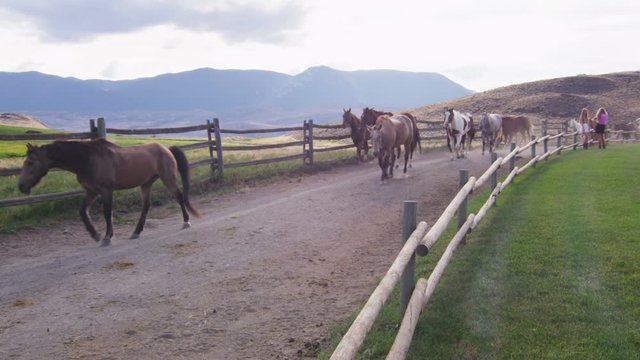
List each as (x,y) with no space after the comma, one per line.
(232,95)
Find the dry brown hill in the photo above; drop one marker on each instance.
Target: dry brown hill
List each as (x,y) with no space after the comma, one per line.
(554,99)
(21,120)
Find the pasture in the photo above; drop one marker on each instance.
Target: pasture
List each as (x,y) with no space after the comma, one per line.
(551,273)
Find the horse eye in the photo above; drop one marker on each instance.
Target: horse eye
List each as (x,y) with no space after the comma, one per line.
(29,163)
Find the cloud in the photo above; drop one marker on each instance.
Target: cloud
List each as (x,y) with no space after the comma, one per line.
(81,20)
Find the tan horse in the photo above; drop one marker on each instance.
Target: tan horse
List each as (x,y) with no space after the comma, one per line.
(514,125)
(102,167)
(388,133)
(370,115)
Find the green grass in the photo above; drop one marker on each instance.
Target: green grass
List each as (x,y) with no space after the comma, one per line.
(552,272)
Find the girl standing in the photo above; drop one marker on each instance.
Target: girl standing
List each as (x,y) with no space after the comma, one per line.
(584,123)
(602,118)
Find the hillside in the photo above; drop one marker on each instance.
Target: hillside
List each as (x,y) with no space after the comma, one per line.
(554,99)
(21,120)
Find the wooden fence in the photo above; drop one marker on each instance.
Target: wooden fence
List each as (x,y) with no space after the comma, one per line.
(430,132)
(420,239)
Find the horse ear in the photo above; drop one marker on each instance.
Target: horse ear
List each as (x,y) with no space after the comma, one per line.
(349,110)
(31,147)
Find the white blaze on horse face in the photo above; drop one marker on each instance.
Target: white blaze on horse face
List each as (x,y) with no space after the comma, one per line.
(376,139)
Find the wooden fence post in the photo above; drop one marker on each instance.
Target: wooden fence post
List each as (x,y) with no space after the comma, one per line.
(533,149)
(308,125)
(512,161)
(407,282)
(494,176)
(575,140)
(218,138)
(560,144)
(102,128)
(462,210)
(211,143)
(544,133)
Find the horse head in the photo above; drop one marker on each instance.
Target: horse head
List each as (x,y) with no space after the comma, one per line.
(376,137)
(483,125)
(34,168)
(368,117)
(448,118)
(346,118)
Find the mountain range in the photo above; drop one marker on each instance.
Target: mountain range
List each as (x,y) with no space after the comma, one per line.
(239,98)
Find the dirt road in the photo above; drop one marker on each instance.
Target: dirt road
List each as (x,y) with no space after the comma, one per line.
(262,275)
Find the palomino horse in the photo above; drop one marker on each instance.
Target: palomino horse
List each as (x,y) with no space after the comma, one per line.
(514,125)
(370,116)
(388,133)
(457,125)
(102,167)
(490,125)
(359,134)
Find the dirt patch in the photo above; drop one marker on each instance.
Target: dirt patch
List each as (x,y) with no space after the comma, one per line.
(262,275)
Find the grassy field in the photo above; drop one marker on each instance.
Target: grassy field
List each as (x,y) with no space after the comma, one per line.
(17,217)
(552,272)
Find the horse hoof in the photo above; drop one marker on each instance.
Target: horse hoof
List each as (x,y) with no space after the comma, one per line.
(186,225)
(105,242)
(134,236)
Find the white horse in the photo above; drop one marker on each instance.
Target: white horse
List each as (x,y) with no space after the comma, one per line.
(456,125)
(490,125)
(574,126)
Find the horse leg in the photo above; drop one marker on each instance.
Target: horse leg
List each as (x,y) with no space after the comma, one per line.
(393,163)
(406,157)
(383,166)
(107,199)
(145,190)
(89,198)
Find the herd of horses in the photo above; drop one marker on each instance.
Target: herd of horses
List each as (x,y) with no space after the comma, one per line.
(388,132)
(102,167)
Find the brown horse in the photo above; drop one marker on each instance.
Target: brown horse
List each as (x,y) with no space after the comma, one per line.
(388,133)
(514,125)
(359,134)
(370,116)
(102,167)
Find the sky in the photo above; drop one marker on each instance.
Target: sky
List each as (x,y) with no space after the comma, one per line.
(481,44)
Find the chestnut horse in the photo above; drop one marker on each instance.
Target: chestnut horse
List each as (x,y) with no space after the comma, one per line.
(359,134)
(514,125)
(388,133)
(102,167)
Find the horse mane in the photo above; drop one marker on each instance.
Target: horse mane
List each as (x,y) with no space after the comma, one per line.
(76,153)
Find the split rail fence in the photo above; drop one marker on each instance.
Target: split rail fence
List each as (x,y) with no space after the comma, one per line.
(420,238)
(431,132)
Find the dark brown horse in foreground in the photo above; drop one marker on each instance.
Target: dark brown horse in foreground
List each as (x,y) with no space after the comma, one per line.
(388,133)
(102,167)
(359,134)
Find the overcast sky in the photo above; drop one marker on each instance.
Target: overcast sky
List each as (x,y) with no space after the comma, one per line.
(481,44)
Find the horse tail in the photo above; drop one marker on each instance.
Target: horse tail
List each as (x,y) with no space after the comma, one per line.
(416,138)
(183,169)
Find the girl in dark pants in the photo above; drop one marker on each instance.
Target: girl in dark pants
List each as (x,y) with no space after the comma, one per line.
(602,118)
